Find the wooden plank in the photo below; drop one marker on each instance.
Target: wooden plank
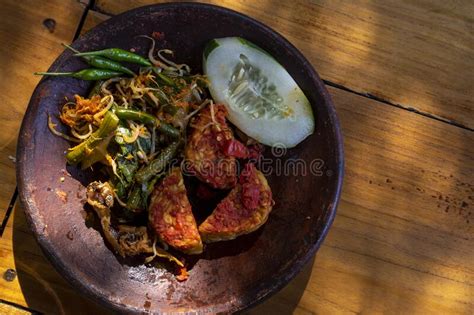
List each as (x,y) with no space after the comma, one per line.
(402,239)
(401,242)
(8,309)
(37,285)
(27,46)
(414,53)
(93,18)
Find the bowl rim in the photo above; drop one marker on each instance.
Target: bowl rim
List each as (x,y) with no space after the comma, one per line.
(33,216)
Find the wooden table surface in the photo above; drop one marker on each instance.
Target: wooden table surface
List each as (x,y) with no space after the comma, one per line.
(401,74)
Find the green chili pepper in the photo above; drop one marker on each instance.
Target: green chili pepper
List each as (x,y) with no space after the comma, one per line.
(158,164)
(90,74)
(130,114)
(118,54)
(102,63)
(108,125)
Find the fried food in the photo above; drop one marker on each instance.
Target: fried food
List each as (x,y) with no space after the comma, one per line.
(125,240)
(211,148)
(243,211)
(171,217)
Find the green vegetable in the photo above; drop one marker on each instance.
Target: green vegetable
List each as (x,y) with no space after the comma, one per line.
(128,169)
(96,155)
(79,152)
(162,98)
(134,201)
(158,164)
(168,130)
(96,88)
(118,54)
(165,79)
(149,101)
(120,189)
(145,143)
(103,63)
(151,185)
(261,97)
(135,115)
(90,74)
(170,109)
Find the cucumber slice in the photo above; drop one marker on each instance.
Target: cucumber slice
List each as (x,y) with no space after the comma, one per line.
(261,97)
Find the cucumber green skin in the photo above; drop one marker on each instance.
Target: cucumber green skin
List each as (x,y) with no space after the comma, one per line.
(213,44)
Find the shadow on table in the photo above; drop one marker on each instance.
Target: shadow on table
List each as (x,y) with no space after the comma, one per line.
(43,289)
(286,301)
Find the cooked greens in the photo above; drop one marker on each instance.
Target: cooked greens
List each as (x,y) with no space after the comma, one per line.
(134,125)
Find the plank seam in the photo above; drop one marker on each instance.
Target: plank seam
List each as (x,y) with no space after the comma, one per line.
(9,211)
(20,307)
(397,105)
(80,25)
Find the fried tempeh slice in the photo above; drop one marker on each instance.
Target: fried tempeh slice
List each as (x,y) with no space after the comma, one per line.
(171,217)
(243,211)
(207,149)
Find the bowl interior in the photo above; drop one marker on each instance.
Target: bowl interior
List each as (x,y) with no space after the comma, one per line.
(229,276)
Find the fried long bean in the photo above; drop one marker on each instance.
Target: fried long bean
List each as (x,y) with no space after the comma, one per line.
(135,115)
(135,199)
(157,165)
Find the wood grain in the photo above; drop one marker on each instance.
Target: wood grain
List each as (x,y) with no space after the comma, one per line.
(417,54)
(7,309)
(93,19)
(402,239)
(401,242)
(27,46)
(37,286)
